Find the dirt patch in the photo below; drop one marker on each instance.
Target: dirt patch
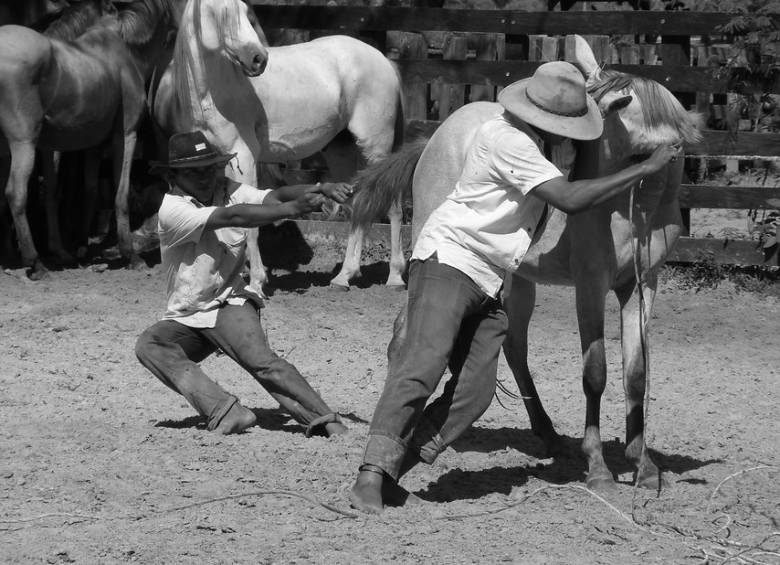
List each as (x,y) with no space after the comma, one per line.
(102,464)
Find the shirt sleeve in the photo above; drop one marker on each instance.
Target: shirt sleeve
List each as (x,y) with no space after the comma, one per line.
(181,221)
(520,163)
(247,194)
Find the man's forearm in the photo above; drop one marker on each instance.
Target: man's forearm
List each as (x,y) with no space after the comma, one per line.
(252,215)
(591,192)
(287,193)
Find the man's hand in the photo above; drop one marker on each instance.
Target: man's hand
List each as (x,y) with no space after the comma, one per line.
(338,191)
(662,156)
(308,202)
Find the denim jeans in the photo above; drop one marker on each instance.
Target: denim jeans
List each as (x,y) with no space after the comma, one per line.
(172,351)
(450,322)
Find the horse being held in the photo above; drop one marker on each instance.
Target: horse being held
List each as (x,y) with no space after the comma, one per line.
(278,104)
(596,250)
(69,95)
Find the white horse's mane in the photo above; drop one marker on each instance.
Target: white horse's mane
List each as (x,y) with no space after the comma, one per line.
(227,24)
(666,121)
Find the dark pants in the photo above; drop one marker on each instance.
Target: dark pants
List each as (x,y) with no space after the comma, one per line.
(172,351)
(450,322)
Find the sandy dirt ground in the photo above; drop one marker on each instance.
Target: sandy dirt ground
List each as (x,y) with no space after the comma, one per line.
(103,464)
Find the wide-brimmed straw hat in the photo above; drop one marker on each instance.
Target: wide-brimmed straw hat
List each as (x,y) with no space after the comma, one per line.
(190,149)
(554,99)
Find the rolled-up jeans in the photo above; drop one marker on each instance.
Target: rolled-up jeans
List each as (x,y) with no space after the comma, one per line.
(451,322)
(172,351)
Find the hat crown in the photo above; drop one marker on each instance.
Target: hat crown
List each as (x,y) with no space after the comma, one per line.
(190,147)
(558,88)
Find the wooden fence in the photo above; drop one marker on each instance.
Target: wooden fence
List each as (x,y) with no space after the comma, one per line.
(449,57)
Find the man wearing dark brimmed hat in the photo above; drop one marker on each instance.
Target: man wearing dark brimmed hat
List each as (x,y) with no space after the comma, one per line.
(481,232)
(202,221)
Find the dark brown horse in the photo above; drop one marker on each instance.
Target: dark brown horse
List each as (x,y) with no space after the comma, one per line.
(69,95)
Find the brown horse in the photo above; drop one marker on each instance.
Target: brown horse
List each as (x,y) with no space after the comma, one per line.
(70,95)
(618,245)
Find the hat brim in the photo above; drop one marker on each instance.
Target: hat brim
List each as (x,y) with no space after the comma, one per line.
(157,166)
(589,126)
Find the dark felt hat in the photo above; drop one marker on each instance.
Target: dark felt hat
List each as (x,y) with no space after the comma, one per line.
(190,149)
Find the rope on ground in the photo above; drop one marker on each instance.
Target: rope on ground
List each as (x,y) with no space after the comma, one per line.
(97,517)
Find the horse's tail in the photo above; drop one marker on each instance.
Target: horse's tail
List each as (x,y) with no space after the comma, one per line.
(381,183)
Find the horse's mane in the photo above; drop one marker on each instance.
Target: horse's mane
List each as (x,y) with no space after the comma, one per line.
(183,56)
(76,19)
(663,115)
(137,23)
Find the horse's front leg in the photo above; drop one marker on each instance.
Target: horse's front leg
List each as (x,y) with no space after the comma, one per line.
(519,300)
(243,168)
(635,308)
(591,299)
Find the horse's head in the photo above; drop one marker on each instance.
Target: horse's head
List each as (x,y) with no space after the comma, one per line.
(224,27)
(643,111)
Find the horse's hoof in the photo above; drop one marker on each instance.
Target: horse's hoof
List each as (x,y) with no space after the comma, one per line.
(395,286)
(338,286)
(601,483)
(38,272)
(651,479)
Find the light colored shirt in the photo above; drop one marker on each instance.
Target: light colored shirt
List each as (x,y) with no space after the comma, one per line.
(203,267)
(485,226)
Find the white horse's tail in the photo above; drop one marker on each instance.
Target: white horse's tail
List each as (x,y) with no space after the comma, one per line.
(381,183)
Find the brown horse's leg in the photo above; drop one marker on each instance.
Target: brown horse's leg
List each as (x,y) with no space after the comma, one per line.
(519,299)
(22,161)
(50,161)
(634,314)
(590,315)
(92,159)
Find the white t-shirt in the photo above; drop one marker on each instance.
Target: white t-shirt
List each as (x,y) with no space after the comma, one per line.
(203,267)
(486,225)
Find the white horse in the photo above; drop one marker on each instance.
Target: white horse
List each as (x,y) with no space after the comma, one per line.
(277,104)
(618,245)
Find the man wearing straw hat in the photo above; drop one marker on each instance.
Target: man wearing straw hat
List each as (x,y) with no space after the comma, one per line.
(210,307)
(468,244)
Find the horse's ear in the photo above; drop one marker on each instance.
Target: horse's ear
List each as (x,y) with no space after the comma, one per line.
(581,55)
(613,102)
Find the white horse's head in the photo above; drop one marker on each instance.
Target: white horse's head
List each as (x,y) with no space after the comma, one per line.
(649,113)
(224,27)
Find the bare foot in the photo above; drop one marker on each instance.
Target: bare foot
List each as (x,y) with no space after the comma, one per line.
(366,493)
(237,420)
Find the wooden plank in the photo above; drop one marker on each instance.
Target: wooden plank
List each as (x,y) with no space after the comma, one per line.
(714,143)
(687,249)
(487,47)
(745,143)
(501,73)
(451,96)
(413,45)
(732,197)
(343,18)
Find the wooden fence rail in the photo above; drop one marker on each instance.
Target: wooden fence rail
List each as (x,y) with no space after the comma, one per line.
(449,57)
